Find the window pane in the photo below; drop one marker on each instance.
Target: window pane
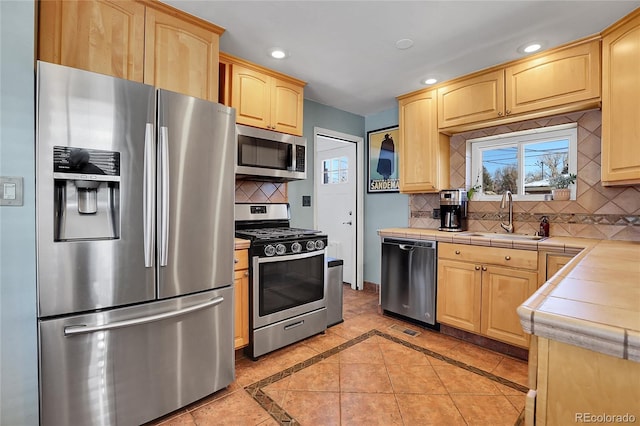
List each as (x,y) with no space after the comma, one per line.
(344,163)
(333,177)
(543,161)
(500,170)
(343,176)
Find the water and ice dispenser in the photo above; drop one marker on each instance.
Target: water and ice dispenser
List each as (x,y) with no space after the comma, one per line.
(86,194)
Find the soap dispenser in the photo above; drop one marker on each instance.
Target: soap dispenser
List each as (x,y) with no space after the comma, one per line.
(544,227)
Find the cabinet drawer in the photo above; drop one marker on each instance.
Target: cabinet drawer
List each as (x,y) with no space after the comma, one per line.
(241,260)
(525,259)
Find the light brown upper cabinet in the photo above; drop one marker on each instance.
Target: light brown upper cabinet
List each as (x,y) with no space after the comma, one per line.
(423,152)
(621,102)
(101,36)
(478,98)
(180,56)
(263,98)
(145,41)
(561,80)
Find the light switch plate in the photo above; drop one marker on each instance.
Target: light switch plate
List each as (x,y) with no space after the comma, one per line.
(11,191)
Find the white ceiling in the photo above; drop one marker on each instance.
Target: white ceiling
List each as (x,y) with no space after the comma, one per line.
(346,50)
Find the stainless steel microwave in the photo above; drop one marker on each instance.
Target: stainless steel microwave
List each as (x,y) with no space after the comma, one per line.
(267,155)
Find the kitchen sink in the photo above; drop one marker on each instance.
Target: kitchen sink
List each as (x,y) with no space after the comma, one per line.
(504,236)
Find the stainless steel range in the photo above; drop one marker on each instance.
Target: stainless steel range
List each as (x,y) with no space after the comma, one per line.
(287,275)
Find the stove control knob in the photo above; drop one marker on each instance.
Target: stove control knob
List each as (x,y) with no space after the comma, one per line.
(296,247)
(280,249)
(269,250)
(319,245)
(311,245)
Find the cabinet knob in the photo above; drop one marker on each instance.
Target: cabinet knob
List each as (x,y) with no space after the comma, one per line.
(508,112)
(236,260)
(477,268)
(499,113)
(246,273)
(457,251)
(507,258)
(484,268)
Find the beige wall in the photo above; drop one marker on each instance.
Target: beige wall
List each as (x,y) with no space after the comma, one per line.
(598,212)
(248,191)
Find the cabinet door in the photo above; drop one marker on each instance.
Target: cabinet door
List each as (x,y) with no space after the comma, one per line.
(459,295)
(567,76)
(180,56)
(503,290)
(241,315)
(555,262)
(106,37)
(286,107)
(621,104)
(474,99)
(250,96)
(423,152)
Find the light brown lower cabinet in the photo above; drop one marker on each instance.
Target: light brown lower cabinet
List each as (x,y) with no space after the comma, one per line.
(574,385)
(551,263)
(241,288)
(479,294)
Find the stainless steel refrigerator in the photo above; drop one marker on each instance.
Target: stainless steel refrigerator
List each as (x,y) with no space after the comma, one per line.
(135,196)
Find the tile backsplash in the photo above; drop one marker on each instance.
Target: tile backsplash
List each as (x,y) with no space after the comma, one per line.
(248,191)
(598,212)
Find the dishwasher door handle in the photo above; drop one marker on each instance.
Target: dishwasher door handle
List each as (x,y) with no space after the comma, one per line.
(406,247)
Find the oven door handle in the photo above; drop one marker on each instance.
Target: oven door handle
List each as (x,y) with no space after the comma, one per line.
(289,257)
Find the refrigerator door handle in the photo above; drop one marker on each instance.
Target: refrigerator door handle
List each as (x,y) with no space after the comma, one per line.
(149,196)
(164,195)
(73,330)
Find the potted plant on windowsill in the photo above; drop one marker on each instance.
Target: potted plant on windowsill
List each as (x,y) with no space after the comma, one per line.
(560,186)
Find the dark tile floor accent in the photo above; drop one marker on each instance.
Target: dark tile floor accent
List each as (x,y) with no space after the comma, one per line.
(279,414)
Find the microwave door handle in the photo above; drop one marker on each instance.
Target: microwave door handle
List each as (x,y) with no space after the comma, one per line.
(149,196)
(291,158)
(164,195)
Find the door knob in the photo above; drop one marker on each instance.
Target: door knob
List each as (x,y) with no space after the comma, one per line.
(347,223)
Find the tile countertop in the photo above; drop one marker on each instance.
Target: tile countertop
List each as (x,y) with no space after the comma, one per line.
(593,302)
(241,244)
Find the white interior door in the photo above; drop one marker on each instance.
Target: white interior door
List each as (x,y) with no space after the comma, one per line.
(336,189)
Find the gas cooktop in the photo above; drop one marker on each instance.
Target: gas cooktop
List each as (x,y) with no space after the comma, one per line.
(275,233)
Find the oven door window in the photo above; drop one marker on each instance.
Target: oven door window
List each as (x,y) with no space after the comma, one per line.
(287,284)
(256,152)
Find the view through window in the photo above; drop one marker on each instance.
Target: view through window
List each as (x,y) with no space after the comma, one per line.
(335,170)
(522,162)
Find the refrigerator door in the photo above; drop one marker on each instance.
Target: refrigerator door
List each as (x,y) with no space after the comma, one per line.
(90,220)
(196,147)
(131,365)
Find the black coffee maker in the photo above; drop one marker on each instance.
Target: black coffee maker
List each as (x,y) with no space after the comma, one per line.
(453,210)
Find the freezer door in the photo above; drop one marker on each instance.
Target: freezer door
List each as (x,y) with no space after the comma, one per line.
(132,365)
(196,147)
(90,220)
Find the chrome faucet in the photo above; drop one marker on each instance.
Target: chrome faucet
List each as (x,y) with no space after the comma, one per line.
(508,227)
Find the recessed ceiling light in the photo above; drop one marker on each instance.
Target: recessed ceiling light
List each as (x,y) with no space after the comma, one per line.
(530,47)
(278,53)
(404,43)
(429,81)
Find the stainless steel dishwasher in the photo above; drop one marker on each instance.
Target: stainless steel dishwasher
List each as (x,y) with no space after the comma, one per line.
(408,286)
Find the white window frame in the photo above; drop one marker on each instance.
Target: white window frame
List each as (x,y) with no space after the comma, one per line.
(519,139)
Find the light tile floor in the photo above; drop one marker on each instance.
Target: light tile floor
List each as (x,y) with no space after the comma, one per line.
(366,371)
